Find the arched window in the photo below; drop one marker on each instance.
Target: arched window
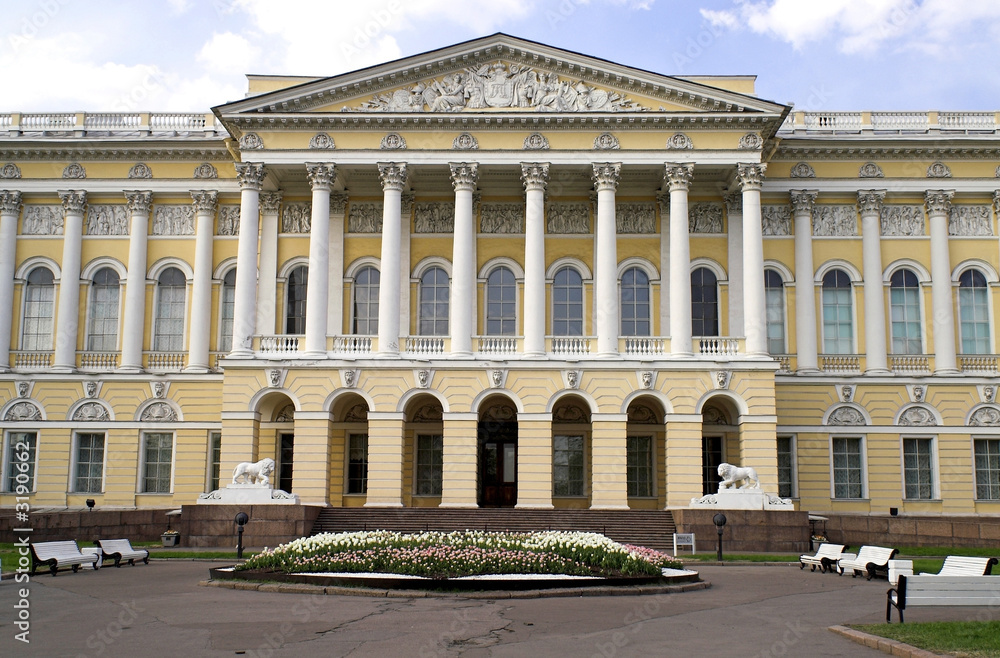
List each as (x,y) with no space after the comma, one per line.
(227,312)
(501,303)
(635,303)
(102,329)
(39,296)
(973,313)
(704,303)
(433,318)
(774,301)
(295,301)
(365,306)
(904,313)
(168,334)
(838,313)
(567,303)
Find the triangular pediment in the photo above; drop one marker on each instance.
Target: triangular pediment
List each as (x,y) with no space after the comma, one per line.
(501,74)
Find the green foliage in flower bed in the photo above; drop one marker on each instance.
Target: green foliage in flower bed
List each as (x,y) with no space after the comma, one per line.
(454,554)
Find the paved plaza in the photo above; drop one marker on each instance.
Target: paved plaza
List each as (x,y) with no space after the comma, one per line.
(160,609)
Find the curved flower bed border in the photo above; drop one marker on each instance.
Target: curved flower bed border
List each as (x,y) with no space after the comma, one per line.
(438,560)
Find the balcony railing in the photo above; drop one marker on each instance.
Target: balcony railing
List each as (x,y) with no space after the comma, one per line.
(644,346)
(979,364)
(570,345)
(910,365)
(98,361)
(32,360)
(165,361)
(280,344)
(840,364)
(353,345)
(424,344)
(892,122)
(101,124)
(717,346)
(497,345)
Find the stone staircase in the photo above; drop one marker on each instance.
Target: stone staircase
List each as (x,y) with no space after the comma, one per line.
(650,528)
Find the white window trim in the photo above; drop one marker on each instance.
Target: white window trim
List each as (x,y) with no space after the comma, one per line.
(90,307)
(362,428)
(157,289)
(991,285)
(654,434)
(24,307)
(483,282)
(864,467)
(141,467)
(573,430)
(854,317)
(935,478)
(972,455)
(784,304)
(417,433)
(75,459)
(793,446)
(221,302)
(208,461)
(7,465)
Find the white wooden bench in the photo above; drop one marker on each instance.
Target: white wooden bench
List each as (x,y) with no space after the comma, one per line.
(827,555)
(121,549)
(957,565)
(56,554)
(936,590)
(871,560)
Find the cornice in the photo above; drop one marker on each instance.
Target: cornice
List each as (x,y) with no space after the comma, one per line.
(893,152)
(67,152)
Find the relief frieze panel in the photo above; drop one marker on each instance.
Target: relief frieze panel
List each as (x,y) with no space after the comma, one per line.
(174,220)
(501,218)
(970,221)
(568,218)
(705,218)
(296,218)
(364,218)
(835,221)
(107,220)
(228,221)
(776,220)
(434,217)
(637,218)
(42,220)
(902,220)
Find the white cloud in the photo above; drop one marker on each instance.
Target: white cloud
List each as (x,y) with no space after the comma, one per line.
(859,26)
(228,53)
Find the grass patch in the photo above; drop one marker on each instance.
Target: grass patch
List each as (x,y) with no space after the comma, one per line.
(938,551)
(964,638)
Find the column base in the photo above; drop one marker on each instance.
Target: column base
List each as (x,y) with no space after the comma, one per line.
(463,355)
(63,369)
(534,355)
(608,355)
(877,372)
(808,371)
(315,354)
(681,355)
(386,355)
(196,368)
(129,369)
(948,371)
(240,354)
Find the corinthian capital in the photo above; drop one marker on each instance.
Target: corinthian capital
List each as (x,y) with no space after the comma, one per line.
(139,201)
(734,202)
(606,175)
(250,175)
(10,202)
(996,202)
(938,201)
(535,175)
(320,175)
(338,203)
(464,175)
(870,201)
(678,176)
(751,175)
(802,200)
(392,174)
(205,201)
(74,201)
(270,203)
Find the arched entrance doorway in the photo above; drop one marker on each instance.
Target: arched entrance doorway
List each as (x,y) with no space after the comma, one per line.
(497,454)
(718,432)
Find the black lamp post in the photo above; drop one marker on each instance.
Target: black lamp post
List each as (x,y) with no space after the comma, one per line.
(90,504)
(719,520)
(241,520)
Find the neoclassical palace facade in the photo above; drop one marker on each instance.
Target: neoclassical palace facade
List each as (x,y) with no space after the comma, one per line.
(502,274)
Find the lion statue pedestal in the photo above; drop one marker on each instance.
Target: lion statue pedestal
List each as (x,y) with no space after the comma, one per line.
(749,495)
(251,486)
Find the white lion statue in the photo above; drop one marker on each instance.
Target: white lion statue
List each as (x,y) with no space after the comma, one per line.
(255,473)
(732,474)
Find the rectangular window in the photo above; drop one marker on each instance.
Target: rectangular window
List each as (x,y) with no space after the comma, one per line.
(20,467)
(89,463)
(918,469)
(214,459)
(357,464)
(639,466)
(786,467)
(987,459)
(847,470)
(567,465)
(430,452)
(775,319)
(156,462)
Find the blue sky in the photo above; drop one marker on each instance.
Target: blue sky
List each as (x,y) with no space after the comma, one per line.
(188,55)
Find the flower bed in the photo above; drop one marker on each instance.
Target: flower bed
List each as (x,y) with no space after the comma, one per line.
(440,555)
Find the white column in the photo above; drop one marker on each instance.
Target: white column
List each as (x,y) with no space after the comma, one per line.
(335,314)
(734,217)
(606,175)
(10,209)
(205,204)
(535,176)
(754,307)
(405,269)
(393,176)
(134,320)
(321,177)
(938,208)
(463,263)
(67,322)
(663,201)
(805,294)
(250,176)
(267,278)
(678,179)
(870,207)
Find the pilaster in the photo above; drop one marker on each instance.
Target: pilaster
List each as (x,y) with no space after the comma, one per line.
(683,459)
(335,312)
(870,207)
(10,210)
(734,230)
(534,461)
(938,209)
(459,477)
(311,471)
(205,204)
(68,319)
(133,331)
(609,461)
(267,289)
(385,459)
(805,295)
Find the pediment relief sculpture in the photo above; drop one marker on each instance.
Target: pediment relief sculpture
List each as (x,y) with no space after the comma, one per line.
(846,416)
(158,412)
(499,85)
(917,417)
(23,411)
(90,412)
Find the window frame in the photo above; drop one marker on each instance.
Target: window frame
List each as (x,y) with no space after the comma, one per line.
(227,324)
(863,467)
(556,286)
(793,469)
(435,319)
(636,303)
(25,301)
(985,288)
(144,463)
(650,454)
(75,465)
(348,477)
(570,491)
(852,348)
(213,476)
(993,484)
(488,287)
(372,304)
(158,336)
(904,289)
(291,315)
(932,467)
(92,291)
(11,469)
(436,467)
(705,305)
(768,295)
